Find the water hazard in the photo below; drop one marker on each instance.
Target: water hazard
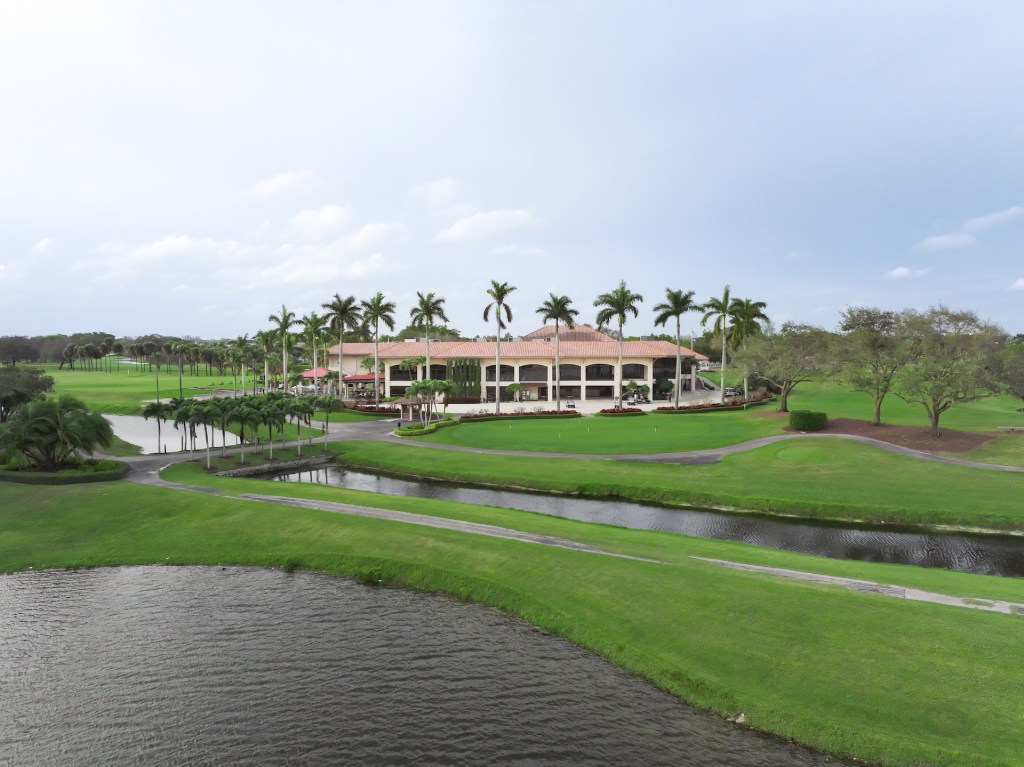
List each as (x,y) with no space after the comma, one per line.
(171,666)
(984,554)
(142,432)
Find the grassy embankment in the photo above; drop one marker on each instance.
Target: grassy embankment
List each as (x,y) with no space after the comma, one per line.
(860,674)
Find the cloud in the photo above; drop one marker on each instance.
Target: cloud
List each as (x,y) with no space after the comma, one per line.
(951,241)
(437,193)
(42,246)
(481,226)
(372,235)
(902,272)
(282,183)
(519,250)
(316,224)
(992,220)
(899,273)
(1018,285)
(964,237)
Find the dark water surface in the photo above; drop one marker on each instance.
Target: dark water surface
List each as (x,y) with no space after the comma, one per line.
(984,554)
(212,666)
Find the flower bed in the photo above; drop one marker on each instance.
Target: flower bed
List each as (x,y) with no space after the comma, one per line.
(621,411)
(715,406)
(534,414)
(419,430)
(372,409)
(88,471)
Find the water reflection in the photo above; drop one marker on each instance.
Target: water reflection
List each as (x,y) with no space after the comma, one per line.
(988,555)
(139,431)
(171,666)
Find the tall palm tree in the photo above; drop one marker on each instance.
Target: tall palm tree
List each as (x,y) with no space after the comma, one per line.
(676,304)
(557,308)
(266,340)
(428,308)
(342,313)
(313,325)
(159,411)
(285,321)
(747,320)
(376,311)
(616,305)
(718,309)
(240,347)
(499,292)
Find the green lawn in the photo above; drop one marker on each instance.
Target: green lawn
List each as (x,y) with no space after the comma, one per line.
(889,681)
(813,478)
(653,433)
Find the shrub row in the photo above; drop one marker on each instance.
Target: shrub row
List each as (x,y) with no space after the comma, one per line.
(418,429)
(372,409)
(714,406)
(90,471)
(504,416)
(807,420)
(621,411)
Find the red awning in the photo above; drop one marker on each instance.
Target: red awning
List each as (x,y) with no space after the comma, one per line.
(318,373)
(359,378)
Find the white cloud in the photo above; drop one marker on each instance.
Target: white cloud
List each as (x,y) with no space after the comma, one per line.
(437,193)
(482,226)
(109,246)
(1018,285)
(951,241)
(519,250)
(316,224)
(282,183)
(964,237)
(372,235)
(902,272)
(992,220)
(899,273)
(42,246)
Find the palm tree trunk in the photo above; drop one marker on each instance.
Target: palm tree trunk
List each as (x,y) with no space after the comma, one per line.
(558,372)
(618,372)
(427,377)
(284,364)
(376,366)
(725,336)
(679,362)
(497,367)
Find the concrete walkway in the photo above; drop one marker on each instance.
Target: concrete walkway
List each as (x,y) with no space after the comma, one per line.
(888,590)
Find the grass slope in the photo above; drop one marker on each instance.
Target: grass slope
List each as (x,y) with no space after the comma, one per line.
(886,680)
(814,478)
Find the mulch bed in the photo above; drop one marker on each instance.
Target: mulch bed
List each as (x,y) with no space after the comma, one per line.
(914,437)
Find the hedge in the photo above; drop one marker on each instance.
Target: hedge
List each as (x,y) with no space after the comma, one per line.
(713,408)
(419,430)
(619,413)
(507,416)
(807,420)
(66,477)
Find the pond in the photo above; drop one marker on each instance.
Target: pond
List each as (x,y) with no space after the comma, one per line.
(983,554)
(192,665)
(138,431)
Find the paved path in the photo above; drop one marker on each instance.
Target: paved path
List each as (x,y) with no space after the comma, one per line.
(885,589)
(714,455)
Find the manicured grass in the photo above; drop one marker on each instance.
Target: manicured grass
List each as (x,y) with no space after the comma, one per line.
(657,433)
(813,478)
(886,680)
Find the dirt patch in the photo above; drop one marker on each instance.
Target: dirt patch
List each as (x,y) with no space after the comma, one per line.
(914,437)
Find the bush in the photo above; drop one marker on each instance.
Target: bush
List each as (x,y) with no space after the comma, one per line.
(89,471)
(806,420)
(489,416)
(621,411)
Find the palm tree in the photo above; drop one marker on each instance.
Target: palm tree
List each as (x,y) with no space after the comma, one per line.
(266,341)
(719,310)
(240,348)
(616,305)
(376,311)
(342,313)
(159,411)
(285,321)
(498,292)
(428,308)
(48,433)
(677,303)
(313,325)
(557,308)
(747,318)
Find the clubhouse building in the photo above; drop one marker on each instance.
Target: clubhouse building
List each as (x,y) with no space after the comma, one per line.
(589,365)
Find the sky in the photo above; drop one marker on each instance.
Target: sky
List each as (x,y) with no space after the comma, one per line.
(188,168)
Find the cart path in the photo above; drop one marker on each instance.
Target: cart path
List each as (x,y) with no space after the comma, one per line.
(884,589)
(384,431)
(714,455)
